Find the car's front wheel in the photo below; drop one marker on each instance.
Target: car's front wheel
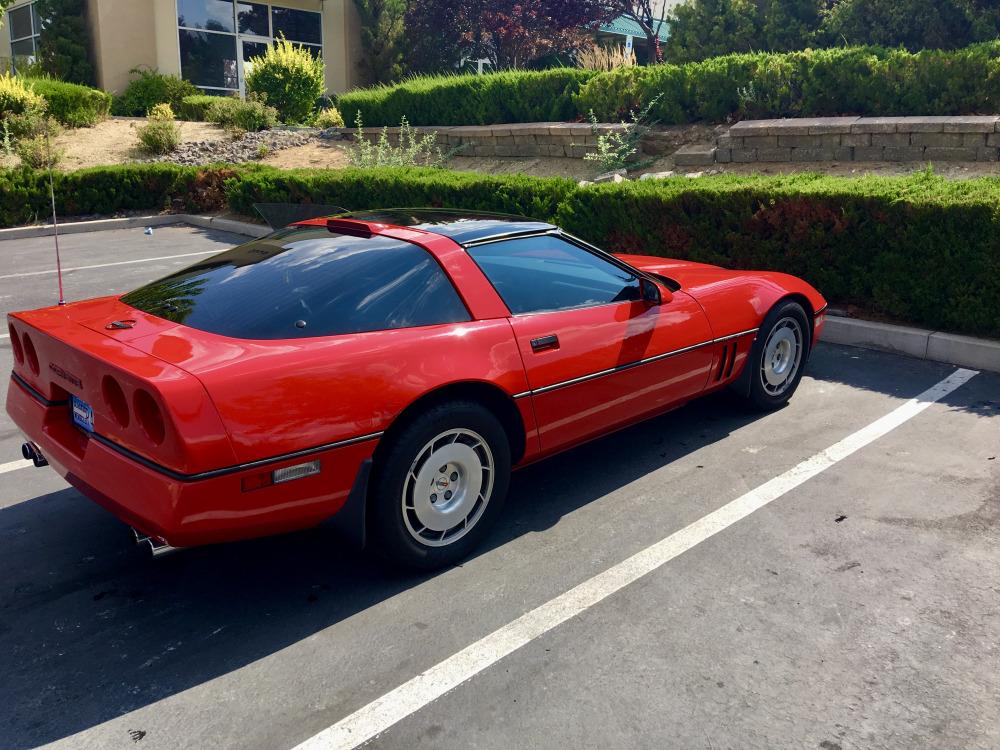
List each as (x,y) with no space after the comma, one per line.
(439,485)
(778,356)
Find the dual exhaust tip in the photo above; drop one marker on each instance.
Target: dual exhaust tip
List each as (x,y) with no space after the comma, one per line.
(31,453)
(154,546)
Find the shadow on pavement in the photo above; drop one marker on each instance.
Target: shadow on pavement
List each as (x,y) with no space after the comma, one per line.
(90,630)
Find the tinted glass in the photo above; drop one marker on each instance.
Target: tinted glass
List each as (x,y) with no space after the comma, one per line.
(209,59)
(20,22)
(297,25)
(25,49)
(251,18)
(533,274)
(213,15)
(252,50)
(303,282)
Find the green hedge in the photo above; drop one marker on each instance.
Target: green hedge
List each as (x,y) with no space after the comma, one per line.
(72,104)
(869,81)
(24,194)
(853,80)
(920,249)
(196,107)
(509,96)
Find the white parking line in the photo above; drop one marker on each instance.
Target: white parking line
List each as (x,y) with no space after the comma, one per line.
(108,265)
(15,465)
(382,713)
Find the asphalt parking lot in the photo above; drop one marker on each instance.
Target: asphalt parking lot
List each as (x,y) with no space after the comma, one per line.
(858,608)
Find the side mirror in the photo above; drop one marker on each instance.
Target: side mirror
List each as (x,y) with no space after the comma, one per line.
(651,294)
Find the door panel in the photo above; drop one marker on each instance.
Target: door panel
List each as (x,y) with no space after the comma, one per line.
(593,380)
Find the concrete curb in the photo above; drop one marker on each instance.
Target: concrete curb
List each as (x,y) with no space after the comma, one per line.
(99,225)
(950,348)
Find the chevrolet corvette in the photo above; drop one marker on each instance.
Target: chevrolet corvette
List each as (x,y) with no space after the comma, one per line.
(383,372)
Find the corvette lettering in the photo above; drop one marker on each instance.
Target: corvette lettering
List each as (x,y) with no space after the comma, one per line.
(66,375)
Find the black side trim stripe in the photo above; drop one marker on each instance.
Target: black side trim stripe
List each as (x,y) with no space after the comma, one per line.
(821,310)
(630,365)
(34,393)
(229,469)
(132,455)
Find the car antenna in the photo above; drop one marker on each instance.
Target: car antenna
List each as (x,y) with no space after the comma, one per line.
(55,221)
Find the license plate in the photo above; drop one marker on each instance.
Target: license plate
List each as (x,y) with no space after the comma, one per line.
(83,414)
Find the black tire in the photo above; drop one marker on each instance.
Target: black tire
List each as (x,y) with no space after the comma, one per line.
(764,394)
(393,528)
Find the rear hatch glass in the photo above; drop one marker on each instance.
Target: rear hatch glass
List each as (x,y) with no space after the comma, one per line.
(303,282)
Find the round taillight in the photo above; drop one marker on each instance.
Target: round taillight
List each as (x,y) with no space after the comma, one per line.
(15,343)
(114,397)
(149,416)
(30,354)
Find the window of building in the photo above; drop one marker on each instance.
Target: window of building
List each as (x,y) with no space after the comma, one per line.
(25,28)
(219,37)
(537,274)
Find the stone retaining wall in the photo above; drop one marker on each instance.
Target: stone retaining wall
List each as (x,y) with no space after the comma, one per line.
(896,139)
(917,139)
(570,139)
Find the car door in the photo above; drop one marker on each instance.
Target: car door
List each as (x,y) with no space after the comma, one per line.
(596,355)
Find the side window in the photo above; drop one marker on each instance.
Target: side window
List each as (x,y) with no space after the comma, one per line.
(535,274)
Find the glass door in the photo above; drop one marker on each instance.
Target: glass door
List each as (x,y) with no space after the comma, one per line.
(253,27)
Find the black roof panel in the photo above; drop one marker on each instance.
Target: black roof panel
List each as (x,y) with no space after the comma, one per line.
(461,226)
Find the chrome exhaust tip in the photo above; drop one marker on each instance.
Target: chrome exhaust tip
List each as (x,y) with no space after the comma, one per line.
(31,453)
(152,545)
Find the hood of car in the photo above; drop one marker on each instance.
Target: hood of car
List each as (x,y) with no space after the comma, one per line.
(692,277)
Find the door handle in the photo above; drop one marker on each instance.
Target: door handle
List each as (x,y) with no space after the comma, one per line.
(543,343)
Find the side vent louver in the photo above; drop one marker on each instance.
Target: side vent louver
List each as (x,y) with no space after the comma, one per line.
(727,360)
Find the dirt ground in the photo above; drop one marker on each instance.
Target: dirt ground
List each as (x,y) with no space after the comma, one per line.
(114,142)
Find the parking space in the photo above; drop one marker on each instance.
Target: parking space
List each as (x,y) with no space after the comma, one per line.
(860,608)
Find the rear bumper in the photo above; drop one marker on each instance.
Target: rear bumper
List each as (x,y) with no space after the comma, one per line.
(186,511)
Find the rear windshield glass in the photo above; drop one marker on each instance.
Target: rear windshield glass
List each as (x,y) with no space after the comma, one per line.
(304,281)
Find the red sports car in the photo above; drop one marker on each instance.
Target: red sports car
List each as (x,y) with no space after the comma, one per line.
(383,370)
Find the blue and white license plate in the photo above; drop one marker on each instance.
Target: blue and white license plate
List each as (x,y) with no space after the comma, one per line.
(83,414)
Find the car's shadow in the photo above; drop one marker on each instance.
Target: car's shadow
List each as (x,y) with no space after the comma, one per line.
(90,630)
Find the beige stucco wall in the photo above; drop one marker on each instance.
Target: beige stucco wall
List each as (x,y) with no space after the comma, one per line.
(123,38)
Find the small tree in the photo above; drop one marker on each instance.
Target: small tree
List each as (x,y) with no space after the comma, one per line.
(287,78)
(791,24)
(915,24)
(646,14)
(64,46)
(706,28)
(382,27)
(509,33)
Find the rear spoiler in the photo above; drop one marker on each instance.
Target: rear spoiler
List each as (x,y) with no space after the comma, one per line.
(279,215)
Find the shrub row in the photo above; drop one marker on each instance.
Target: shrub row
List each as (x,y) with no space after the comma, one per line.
(196,107)
(72,104)
(869,81)
(852,80)
(509,96)
(919,249)
(24,194)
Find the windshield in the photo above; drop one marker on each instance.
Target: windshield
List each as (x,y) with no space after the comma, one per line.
(305,281)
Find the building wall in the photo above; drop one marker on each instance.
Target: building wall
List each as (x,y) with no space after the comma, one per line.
(5,53)
(122,34)
(126,34)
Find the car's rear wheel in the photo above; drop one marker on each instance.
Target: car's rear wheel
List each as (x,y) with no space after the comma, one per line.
(439,485)
(778,356)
